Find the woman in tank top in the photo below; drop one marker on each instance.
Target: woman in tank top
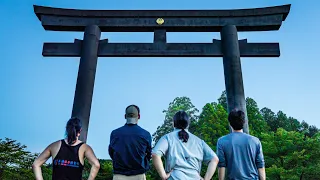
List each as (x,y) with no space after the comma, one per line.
(68,156)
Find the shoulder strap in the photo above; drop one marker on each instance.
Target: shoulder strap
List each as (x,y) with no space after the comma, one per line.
(80,144)
(63,142)
(77,147)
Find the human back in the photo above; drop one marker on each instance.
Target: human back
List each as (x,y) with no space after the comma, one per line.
(184,153)
(130,148)
(185,158)
(68,156)
(239,153)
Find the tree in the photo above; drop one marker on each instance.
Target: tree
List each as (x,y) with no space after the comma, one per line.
(313,130)
(290,155)
(293,124)
(222,100)
(307,130)
(179,103)
(282,120)
(106,170)
(256,123)
(15,161)
(270,117)
(212,124)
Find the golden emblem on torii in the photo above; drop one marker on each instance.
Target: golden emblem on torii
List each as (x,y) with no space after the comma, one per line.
(160,21)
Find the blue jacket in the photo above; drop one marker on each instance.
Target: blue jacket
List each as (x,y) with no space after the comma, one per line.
(130,150)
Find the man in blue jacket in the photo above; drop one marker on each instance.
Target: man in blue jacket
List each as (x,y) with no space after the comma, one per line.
(130,148)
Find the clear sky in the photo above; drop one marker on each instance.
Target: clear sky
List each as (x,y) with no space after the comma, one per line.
(37,93)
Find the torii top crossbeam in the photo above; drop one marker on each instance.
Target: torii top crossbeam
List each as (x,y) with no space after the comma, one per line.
(256,19)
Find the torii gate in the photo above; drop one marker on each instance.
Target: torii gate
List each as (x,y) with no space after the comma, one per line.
(93,22)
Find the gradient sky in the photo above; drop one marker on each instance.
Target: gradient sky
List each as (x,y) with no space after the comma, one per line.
(37,93)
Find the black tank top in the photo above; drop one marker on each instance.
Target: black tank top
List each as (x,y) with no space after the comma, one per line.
(67,165)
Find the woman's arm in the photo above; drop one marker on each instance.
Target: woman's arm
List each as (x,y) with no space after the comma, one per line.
(36,166)
(157,162)
(211,168)
(95,165)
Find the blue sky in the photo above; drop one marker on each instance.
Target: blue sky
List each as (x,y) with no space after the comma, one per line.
(37,93)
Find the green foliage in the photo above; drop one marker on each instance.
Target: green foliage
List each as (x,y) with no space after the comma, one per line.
(223,100)
(212,124)
(15,160)
(105,171)
(152,174)
(291,155)
(257,124)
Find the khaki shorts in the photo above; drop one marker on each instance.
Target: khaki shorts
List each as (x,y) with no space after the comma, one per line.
(134,177)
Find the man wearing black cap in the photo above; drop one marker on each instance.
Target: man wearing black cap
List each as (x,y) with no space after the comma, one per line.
(130,148)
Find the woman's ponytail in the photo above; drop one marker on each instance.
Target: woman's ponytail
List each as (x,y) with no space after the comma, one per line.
(181,121)
(183,135)
(72,129)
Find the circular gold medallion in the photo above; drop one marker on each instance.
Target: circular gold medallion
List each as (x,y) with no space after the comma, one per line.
(160,21)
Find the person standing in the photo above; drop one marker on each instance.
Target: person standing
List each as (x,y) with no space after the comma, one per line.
(130,148)
(183,152)
(239,153)
(68,156)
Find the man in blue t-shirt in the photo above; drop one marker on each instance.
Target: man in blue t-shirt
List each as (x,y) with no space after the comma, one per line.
(130,148)
(240,153)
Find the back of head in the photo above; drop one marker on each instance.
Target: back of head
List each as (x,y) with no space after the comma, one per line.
(181,120)
(132,114)
(73,128)
(236,119)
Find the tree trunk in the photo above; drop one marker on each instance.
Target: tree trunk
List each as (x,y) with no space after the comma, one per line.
(301,176)
(1,173)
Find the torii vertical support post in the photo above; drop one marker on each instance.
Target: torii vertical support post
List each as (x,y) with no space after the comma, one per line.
(233,72)
(86,77)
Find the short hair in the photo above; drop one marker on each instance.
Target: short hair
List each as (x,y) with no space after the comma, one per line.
(236,119)
(135,107)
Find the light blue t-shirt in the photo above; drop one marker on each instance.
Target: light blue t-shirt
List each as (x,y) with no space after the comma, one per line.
(183,159)
(241,154)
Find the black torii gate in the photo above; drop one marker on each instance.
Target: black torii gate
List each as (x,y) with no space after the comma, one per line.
(93,22)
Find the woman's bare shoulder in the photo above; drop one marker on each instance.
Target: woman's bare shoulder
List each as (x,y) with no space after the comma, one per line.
(55,144)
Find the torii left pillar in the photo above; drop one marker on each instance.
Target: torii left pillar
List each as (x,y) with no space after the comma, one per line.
(86,77)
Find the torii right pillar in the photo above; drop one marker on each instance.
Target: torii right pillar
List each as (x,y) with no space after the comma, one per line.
(232,71)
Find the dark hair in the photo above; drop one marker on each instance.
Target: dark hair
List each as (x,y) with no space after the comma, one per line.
(134,106)
(236,119)
(72,129)
(181,121)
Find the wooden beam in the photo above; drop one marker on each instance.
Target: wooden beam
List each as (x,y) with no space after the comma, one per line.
(256,19)
(166,50)
(171,24)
